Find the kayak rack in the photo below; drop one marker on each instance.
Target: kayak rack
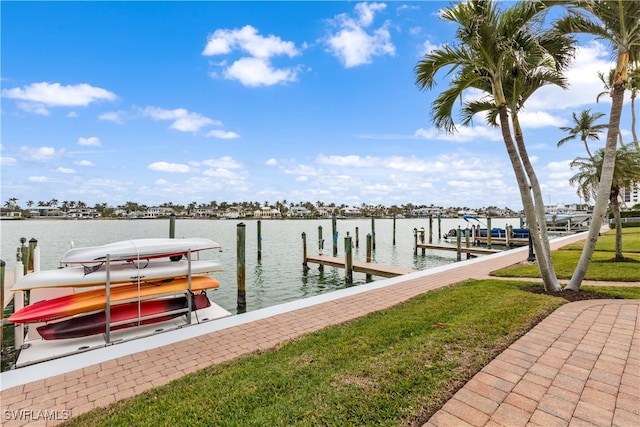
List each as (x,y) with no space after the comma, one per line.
(139,319)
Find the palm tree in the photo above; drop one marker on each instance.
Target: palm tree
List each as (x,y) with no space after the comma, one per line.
(626,174)
(585,127)
(499,53)
(615,21)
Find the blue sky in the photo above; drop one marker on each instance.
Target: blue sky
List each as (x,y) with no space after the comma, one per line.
(153,102)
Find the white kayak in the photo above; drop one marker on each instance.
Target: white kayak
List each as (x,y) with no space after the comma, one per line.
(136,249)
(124,272)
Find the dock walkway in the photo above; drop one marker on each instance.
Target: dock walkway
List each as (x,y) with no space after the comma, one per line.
(580,366)
(361,267)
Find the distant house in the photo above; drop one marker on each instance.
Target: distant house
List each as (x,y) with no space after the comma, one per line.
(631,195)
(158,212)
(47,211)
(267,212)
(203,213)
(299,212)
(425,212)
(351,212)
(83,213)
(10,213)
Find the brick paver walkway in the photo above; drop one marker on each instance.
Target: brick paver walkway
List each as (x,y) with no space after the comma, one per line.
(540,379)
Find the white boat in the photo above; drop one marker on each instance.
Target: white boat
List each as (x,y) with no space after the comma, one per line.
(564,219)
(119,272)
(135,249)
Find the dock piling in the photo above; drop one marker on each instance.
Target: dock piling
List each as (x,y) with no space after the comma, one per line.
(259,240)
(241,270)
(334,230)
(373,233)
(172,226)
(430,228)
(394,230)
(348,260)
(305,266)
(369,276)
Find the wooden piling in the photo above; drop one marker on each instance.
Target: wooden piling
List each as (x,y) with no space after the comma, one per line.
(357,237)
(241,267)
(172,226)
(430,228)
(369,276)
(467,243)
(320,240)
(373,233)
(421,231)
(33,243)
(24,251)
(334,230)
(439,227)
(459,244)
(305,266)
(488,232)
(394,230)
(259,240)
(415,242)
(348,260)
(508,231)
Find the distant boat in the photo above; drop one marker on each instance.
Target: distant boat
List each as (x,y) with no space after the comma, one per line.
(573,219)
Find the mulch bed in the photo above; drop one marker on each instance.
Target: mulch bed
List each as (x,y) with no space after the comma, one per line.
(570,296)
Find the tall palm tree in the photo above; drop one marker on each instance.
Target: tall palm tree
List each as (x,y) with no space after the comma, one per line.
(626,174)
(496,53)
(617,22)
(585,127)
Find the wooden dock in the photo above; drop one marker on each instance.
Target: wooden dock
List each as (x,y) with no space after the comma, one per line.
(361,267)
(466,250)
(501,241)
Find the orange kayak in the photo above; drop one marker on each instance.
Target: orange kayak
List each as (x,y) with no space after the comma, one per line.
(84,302)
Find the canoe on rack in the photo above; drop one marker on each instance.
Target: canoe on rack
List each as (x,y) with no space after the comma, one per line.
(138,249)
(87,301)
(121,272)
(127,315)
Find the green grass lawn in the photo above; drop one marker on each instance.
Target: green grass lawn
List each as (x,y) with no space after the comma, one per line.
(393,367)
(601,267)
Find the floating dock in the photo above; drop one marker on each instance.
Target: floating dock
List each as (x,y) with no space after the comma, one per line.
(361,267)
(466,250)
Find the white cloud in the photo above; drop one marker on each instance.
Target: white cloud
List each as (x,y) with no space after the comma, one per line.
(85,163)
(271,162)
(539,119)
(255,69)
(38,179)
(254,72)
(7,161)
(36,97)
(583,78)
(113,116)
(352,44)
(92,140)
(169,167)
(40,154)
(223,162)
(221,134)
(182,120)
(462,134)
(348,161)
(65,170)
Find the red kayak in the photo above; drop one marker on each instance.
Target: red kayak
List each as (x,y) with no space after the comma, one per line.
(92,324)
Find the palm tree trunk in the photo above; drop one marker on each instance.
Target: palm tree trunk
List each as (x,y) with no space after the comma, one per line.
(604,189)
(527,203)
(615,208)
(538,203)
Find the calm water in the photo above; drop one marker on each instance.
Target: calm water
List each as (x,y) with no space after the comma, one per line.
(276,279)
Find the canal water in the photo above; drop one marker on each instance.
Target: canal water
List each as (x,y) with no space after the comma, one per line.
(278,277)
